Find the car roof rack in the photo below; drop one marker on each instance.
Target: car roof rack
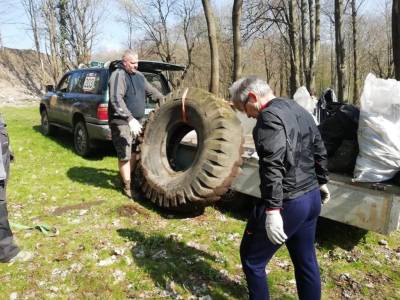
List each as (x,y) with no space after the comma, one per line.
(96,64)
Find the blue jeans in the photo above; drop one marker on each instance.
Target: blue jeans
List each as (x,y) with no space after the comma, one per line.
(299,221)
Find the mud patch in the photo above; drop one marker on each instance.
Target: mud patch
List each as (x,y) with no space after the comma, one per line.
(129,210)
(62,210)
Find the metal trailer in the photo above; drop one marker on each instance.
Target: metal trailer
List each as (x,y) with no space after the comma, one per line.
(370,206)
(374,207)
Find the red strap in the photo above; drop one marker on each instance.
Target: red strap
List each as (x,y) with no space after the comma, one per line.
(271,209)
(184,117)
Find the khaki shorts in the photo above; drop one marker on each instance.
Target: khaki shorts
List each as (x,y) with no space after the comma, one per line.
(124,142)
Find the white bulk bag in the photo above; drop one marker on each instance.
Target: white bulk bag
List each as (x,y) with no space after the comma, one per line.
(378,131)
(304,99)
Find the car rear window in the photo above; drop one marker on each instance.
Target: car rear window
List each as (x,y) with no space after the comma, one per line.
(91,82)
(85,82)
(156,81)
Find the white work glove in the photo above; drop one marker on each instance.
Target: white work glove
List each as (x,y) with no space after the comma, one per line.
(325,195)
(274,227)
(135,127)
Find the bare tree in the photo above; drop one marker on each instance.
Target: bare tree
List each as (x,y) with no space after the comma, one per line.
(396,37)
(260,16)
(237,47)
(62,23)
(32,9)
(340,49)
(355,58)
(188,12)
(315,40)
(294,49)
(153,18)
(127,19)
(82,22)
(304,47)
(213,41)
(51,38)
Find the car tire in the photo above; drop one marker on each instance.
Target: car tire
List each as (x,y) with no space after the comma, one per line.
(46,128)
(81,139)
(214,165)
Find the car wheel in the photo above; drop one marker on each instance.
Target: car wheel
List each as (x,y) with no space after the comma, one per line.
(81,139)
(47,129)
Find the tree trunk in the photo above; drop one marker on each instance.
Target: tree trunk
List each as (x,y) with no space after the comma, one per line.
(396,37)
(340,50)
(237,50)
(315,38)
(52,38)
(304,44)
(63,15)
(355,58)
(268,72)
(212,38)
(294,55)
(32,10)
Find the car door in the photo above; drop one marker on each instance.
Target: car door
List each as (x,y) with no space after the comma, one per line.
(56,99)
(70,96)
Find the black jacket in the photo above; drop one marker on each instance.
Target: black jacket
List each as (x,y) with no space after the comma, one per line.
(4,153)
(292,156)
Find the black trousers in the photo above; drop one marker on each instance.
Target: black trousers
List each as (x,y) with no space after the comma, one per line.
(7,247)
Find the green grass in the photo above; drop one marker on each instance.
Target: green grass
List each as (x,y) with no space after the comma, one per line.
(153,254)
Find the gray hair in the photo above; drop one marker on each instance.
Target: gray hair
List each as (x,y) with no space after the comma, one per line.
(129,52)
(239,90)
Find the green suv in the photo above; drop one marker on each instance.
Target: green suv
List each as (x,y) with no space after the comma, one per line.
(79,102)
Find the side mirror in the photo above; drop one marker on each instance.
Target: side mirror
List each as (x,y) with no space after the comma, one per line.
(49,88)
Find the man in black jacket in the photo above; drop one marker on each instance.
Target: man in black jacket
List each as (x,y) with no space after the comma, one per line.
(128,89)
(8,250)
(293,174)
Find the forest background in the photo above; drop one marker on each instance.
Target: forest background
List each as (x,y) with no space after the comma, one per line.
(316,43)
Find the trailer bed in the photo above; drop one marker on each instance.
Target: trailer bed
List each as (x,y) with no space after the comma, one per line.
(370,206)
(374,207)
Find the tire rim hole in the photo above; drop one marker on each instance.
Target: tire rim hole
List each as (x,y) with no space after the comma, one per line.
(182,148)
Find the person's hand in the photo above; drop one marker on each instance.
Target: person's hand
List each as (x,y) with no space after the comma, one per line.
(325,194)
(135,127)
(274,227)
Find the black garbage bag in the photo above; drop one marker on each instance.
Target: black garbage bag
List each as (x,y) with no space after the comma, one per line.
(327,105)
(339,133)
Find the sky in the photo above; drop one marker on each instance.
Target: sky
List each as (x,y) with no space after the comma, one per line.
(15,33)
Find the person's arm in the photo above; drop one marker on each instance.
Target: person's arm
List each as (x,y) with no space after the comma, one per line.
(320,159)
(271,140)
(152,92)
(3,173)
(117,90)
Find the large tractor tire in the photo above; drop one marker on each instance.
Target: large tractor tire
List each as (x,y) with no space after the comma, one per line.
(183,180)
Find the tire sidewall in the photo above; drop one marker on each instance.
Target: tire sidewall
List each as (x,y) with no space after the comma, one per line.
(81,131)
(216,162)
(45,128)
(158,141)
